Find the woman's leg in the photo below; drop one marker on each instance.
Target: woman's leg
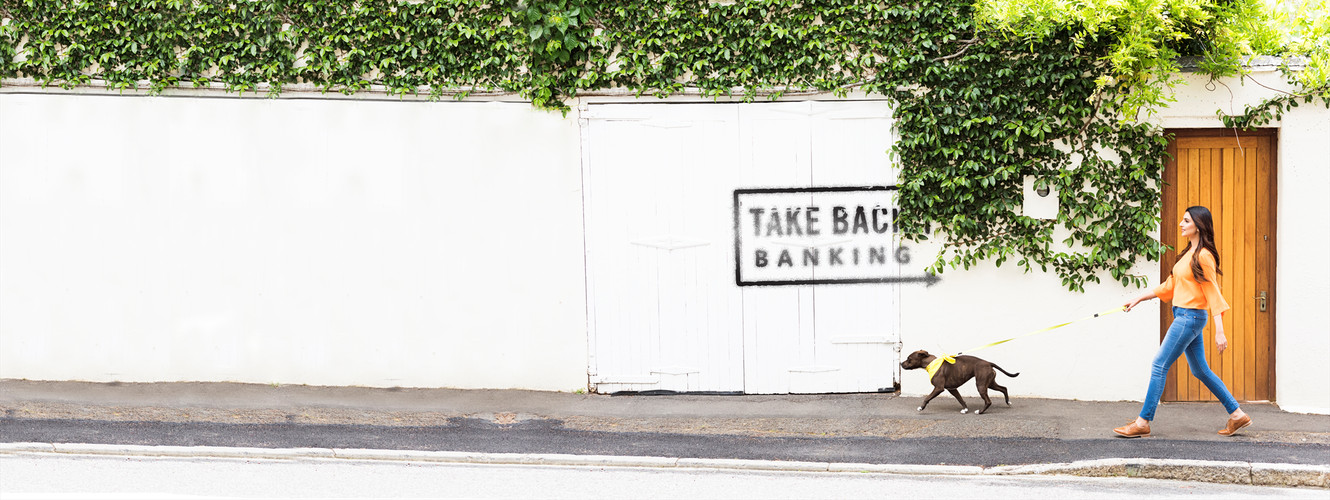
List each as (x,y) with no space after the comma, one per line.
(1180,332)
(1201,370)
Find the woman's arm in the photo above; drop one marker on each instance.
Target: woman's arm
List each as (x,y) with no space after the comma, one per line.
(1144,297)
(1213,298)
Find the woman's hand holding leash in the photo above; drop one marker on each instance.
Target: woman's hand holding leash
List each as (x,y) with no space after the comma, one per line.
(1220,340)
(1132,303)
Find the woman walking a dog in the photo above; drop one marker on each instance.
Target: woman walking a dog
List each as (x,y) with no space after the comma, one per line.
(1192,289)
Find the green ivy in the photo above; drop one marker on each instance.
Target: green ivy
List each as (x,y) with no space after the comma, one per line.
(559,46)
(1269,110)
(988,118)
(763,46)
(976,113)
(438,46)
(1146,39)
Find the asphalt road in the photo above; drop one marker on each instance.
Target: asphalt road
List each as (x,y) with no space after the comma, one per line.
(550,436)
(47,476)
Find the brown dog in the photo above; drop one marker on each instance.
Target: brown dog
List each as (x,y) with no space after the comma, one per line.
(949,376)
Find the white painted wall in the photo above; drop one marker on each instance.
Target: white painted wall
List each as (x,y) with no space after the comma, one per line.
(1302,342)
(327,242)
(263,241)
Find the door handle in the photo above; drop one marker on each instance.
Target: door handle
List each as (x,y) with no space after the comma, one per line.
(1261,300)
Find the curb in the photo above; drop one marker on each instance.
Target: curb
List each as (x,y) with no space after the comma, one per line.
(1253,473)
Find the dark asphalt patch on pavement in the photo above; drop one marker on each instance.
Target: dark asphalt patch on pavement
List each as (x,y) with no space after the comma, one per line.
(549,436)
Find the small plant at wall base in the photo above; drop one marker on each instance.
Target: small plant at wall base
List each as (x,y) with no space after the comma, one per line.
(986,94)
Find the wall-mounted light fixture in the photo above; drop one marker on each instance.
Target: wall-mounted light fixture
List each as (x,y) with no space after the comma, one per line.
(1041,202)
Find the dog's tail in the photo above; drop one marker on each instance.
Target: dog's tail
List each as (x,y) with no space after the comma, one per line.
(1005,371)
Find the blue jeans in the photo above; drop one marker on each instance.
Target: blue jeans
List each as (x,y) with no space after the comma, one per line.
(1184,335)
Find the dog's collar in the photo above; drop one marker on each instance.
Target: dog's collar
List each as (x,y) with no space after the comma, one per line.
(937,363)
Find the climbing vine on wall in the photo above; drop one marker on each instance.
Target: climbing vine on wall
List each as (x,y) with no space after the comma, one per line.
(976,112)
(431,47)
(1146,39)
(976,115)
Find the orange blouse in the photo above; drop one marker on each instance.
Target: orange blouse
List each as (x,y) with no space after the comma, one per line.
(1183,290)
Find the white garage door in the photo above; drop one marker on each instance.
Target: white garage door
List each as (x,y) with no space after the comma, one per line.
(668,189)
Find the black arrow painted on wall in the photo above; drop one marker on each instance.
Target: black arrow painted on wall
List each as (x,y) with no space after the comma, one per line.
(927,279)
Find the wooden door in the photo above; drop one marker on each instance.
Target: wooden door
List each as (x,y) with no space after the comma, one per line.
(1233,176)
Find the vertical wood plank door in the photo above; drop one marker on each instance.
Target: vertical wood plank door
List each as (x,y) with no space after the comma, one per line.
(1233,176)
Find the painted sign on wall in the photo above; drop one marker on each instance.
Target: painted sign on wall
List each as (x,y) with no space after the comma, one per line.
(811,236)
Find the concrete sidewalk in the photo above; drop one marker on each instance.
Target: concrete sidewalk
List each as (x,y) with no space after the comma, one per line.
(878,420)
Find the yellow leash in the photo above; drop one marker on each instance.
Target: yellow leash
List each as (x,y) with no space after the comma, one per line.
(937,363)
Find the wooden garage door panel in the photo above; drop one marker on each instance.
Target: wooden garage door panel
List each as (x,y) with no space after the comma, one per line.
(664,311)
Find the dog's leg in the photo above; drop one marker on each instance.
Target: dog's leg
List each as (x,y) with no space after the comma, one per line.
(964,408)
(994,385)
(983,393)
(982,385)
(936,390)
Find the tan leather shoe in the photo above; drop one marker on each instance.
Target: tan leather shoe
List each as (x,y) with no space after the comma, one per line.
(1132,430)
(1234,424)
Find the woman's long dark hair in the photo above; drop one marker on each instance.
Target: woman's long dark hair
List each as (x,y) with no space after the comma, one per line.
(1205,228)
